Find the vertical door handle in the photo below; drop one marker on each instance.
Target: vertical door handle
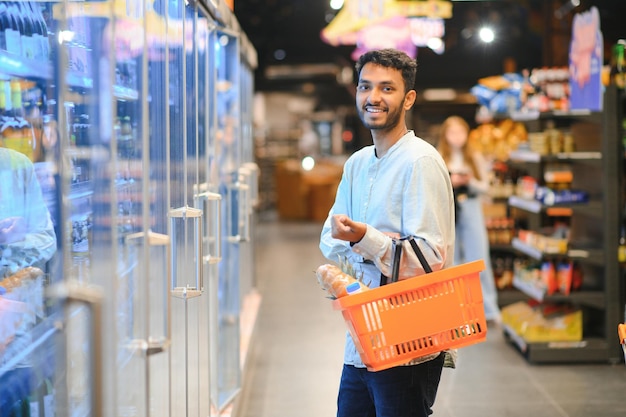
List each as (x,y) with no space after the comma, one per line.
(182,216)
(210,204)
(91,297)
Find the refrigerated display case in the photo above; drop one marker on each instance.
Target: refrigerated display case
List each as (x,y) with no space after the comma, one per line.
(28,211)
(128,301)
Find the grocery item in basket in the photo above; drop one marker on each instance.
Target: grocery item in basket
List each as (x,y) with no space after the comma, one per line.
(334,281)
(15,280)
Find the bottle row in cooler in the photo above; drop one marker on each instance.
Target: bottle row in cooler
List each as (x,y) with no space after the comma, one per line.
(24,29)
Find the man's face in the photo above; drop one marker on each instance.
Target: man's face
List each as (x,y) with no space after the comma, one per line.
(380,97)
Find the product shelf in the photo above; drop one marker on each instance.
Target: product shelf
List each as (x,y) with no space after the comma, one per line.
(588,350)
(529,156)
(598,170)
(120,92)
(535,206)
(533,115)
(17,66)
(591,256)
(539,293)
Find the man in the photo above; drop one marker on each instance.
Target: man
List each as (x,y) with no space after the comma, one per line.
(27,237)
(398,187)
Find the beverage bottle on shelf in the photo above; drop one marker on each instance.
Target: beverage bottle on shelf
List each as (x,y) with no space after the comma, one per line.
(621,247)
(624,136)
(41,32)
(4,24)
(12,33)
(3,101)
(17,132)
(618,65)
(28,40)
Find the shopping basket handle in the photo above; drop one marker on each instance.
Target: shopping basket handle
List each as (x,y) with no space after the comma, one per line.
(420,255)
(397,252)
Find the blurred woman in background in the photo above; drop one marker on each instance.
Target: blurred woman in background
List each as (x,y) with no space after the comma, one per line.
(469,172)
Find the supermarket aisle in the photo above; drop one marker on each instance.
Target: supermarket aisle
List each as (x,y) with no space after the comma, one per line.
(294,361)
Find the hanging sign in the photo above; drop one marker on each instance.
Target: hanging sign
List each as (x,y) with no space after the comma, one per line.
(586,56)
(358,14)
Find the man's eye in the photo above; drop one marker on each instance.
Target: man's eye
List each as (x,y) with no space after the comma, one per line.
(362,87)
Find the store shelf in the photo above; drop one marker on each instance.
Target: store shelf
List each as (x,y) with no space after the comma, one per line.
(535,206)
(593,243)
(529,156)
(532,206)
(590,256)
(509,296)
(78,80)
(586,350)
(538,293)
(124,93)
(16,66)
(531,115)
(527,249)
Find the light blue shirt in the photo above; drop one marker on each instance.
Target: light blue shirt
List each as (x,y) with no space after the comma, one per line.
(407,191)
(20,197)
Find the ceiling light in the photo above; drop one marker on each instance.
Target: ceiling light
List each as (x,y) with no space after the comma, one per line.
(486,35)
(436,44)
(280,54)
(336,4)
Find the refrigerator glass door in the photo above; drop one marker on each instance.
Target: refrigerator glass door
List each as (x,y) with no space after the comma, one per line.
(226,379)
(30,259)
(112,235)
(186,47)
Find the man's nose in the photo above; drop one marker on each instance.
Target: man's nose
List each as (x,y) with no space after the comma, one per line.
(375,95)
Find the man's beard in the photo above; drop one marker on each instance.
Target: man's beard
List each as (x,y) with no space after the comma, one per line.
(392,120)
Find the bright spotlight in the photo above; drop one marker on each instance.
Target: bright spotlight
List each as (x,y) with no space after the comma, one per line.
(336,4)
(308,163)
(486,35)
(436,44)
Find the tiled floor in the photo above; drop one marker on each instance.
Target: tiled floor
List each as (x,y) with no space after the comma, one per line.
(294,361)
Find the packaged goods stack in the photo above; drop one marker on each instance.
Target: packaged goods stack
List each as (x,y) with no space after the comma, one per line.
(562,258)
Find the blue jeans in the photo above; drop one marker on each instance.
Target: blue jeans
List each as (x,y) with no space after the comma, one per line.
(472,243)
(402,391)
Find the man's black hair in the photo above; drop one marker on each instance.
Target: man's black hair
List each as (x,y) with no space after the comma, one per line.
(391,58)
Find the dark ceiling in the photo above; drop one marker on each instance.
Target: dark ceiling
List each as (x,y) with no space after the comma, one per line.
(294,26)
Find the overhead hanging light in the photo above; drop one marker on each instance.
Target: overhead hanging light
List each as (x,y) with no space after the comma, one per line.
(486,34)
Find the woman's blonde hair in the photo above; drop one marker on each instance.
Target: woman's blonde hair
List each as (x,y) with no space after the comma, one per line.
(444,147)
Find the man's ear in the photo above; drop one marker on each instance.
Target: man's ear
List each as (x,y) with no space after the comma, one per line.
(409,99)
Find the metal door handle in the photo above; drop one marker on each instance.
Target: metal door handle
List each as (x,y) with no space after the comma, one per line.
(92,297)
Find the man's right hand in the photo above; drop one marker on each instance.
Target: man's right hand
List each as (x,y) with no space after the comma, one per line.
(12,229)
(344,228)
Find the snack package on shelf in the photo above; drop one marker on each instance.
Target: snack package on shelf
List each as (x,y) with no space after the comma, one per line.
(543,242)
(544,323)
(496,140)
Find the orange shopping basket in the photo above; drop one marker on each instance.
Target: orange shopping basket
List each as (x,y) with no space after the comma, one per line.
(401,321)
